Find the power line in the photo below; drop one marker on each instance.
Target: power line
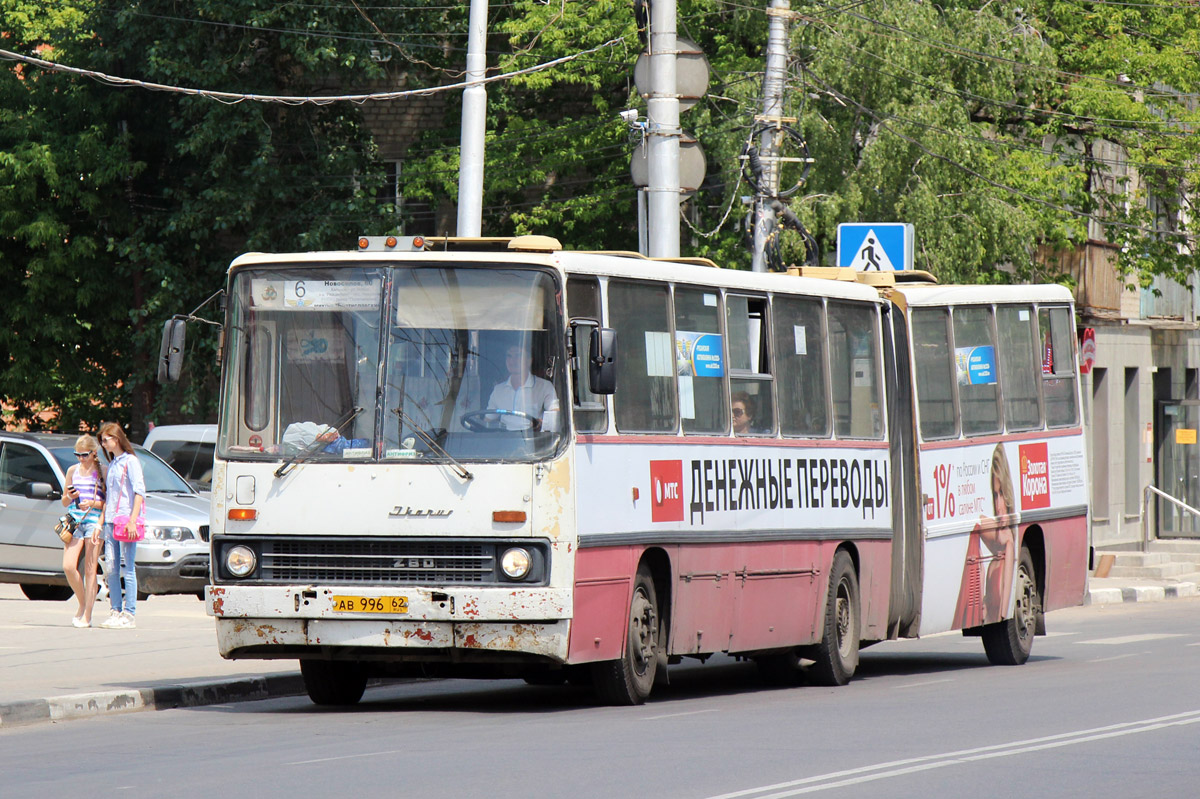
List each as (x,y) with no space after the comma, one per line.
(232,98)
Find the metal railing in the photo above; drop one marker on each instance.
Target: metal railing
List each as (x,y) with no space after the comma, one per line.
(1146,511)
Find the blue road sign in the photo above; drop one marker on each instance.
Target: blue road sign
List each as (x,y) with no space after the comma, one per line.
(875,246)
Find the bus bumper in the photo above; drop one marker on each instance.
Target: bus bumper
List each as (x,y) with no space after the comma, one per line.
(292,622)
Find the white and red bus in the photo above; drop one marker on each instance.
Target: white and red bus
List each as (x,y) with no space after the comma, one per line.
(491,457)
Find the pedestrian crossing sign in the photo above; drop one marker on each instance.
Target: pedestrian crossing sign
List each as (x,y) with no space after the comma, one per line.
(875,246)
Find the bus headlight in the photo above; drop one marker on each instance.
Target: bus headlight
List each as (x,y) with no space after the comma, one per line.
(240,561)
(515,563)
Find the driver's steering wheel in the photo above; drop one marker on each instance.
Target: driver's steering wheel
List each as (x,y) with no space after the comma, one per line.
(492,420)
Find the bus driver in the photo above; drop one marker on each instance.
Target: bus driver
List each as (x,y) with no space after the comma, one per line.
(525,393)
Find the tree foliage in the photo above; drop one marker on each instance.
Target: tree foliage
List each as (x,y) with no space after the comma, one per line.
(984,124)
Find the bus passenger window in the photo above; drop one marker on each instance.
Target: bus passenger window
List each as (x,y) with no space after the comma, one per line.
(975,368)
(799,334)
(749,348)
(934,372)
(590,410)
(645,398)
(1018,367)
(700,361)
(1058,366)
(854,370)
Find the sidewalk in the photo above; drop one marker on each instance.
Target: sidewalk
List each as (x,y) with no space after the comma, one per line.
(53,671)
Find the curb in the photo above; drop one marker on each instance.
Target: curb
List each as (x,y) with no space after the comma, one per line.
(1148,593)
(161,697)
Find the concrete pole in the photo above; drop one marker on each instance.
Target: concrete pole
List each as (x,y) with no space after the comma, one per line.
(474,121)
(662,146)
(778,15)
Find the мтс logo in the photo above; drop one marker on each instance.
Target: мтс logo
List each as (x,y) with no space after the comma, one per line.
(666,491)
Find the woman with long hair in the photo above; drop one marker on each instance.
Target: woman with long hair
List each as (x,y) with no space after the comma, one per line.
(987,578)
(84,499)
(125,507)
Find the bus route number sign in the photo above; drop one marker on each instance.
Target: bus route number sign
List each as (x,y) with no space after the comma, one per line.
(369,604)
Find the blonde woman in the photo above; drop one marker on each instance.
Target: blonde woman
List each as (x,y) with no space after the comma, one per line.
(84,499)
(991,552)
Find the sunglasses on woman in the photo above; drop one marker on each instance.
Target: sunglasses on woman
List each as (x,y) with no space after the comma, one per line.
(84,454)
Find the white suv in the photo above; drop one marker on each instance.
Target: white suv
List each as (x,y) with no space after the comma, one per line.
(188,448)
(171,559)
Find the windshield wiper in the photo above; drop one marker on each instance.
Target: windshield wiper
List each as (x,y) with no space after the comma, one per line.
(317,444)
(430,442)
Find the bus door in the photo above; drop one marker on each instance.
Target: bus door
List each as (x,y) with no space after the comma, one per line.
(904,603)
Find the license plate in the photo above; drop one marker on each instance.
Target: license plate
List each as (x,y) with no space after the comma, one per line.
(370,604)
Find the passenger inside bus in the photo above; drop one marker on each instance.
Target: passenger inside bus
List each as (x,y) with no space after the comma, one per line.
(743,410)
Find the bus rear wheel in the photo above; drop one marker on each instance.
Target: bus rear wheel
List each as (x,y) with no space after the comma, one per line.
(1009,642)
(333,682)
(628,680)
(837,654)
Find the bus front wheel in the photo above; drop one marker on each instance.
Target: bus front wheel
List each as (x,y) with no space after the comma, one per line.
(837,654)
(628,680)
(333,682)
(1009,642)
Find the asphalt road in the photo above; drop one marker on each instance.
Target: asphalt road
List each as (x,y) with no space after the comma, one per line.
(1109,706)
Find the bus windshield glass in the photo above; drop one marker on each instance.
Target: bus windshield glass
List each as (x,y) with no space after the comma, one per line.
(429,363)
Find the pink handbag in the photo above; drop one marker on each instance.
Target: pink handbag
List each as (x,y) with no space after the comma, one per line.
(119,523)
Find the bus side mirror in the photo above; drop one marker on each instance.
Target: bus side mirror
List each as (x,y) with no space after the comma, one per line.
(602,361)
(170,353)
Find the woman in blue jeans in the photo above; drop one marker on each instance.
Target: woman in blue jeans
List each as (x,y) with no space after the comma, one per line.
(126,499)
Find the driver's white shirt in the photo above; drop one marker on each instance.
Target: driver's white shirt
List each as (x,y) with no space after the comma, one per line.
(535,397)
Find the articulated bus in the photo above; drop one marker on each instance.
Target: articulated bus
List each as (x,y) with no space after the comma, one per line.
(496,458)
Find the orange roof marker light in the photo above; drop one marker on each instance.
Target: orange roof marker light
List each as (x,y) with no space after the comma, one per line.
(391,243)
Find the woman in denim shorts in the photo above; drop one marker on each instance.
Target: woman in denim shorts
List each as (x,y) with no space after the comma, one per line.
(84,499)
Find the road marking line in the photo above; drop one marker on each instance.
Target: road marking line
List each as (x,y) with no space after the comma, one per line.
(927,682)
(676,715)
(899,768)
(1133,639)
(345,757)
(1115,657)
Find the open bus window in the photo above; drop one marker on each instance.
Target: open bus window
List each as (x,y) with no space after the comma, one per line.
(975,370)
(1058,366)
(1015,326)
(751,383)
(700,361)
(935,372)
(800,365)
(854,370)
(645,398)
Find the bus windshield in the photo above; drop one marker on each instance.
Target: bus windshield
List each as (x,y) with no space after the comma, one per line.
(428,363)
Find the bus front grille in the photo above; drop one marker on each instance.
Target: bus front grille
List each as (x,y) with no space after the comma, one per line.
(376,562)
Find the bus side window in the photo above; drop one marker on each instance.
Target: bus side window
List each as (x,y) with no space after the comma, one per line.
(590,410)
(1058,366)
(934,372)
(854,370)
(645,398)
(799,334)
(975,367)
(1018,367)
(752,397)
(700,361)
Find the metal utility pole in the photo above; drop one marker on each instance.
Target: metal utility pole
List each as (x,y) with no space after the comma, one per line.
(474,120)
(663,133)
(779,14)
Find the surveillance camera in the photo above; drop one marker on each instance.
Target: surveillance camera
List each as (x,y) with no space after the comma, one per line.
(629,115)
